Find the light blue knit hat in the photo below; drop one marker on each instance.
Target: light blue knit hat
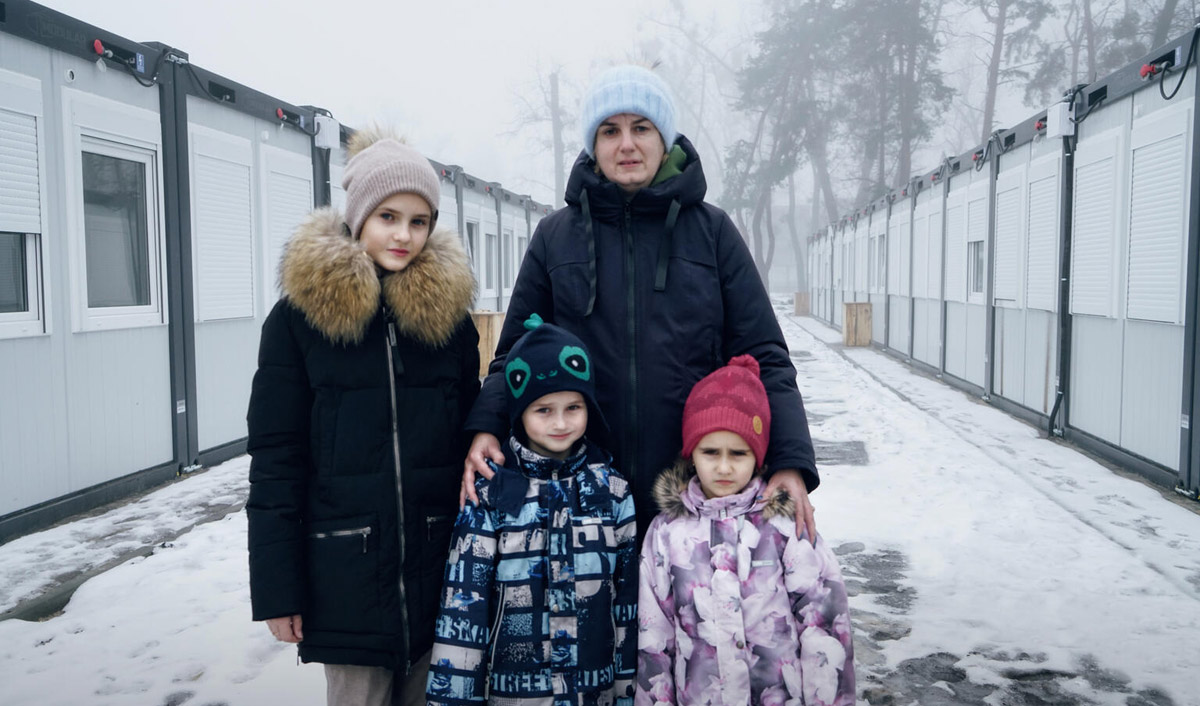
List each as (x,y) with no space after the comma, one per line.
(627,89)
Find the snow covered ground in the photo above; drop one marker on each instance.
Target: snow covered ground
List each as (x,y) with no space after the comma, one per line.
(987,566)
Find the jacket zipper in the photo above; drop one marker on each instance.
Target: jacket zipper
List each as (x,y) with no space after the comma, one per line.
(391,352)
(631,317)
(363,531)
(492,637)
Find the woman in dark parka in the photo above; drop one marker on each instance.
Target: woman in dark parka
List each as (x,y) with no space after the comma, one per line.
(368,366)
(658,284)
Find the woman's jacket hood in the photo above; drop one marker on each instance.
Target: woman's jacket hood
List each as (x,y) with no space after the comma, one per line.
(335,283)
(677,496)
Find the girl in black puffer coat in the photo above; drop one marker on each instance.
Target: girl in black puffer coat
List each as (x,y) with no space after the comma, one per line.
(367,368)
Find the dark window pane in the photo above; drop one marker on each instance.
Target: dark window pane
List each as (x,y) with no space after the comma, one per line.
(116,232)
(13,283)
(471,229)
(493,261)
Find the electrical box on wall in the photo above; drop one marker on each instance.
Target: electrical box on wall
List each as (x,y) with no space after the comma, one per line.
(1058,121)
(328,132)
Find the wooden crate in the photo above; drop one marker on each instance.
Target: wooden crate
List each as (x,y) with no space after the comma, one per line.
(802,306)
(488,323)
(856,324)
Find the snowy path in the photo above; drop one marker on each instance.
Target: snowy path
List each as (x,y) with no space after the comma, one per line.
(1037,570)
(987,566)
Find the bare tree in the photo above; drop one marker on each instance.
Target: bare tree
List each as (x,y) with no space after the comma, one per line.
(541,103)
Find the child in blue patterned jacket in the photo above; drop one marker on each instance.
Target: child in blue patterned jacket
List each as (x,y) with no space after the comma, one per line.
(540,597)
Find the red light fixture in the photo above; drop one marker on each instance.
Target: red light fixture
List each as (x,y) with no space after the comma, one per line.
(1039,125)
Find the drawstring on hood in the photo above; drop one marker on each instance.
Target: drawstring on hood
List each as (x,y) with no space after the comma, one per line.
(664,248)
(586,206)
(680,180)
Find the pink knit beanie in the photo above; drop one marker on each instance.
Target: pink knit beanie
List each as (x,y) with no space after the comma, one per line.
(381,165)
(733,399)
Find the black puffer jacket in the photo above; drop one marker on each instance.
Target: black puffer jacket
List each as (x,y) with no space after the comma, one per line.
(349,522)
(669,303)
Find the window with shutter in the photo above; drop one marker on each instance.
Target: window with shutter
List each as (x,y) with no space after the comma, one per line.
(1157,218)
(21,305)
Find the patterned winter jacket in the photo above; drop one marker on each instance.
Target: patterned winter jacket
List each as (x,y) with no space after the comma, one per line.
(734,608)
(540,598)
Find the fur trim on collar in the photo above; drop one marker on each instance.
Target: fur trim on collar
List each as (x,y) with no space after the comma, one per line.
(332,280)
(672,482)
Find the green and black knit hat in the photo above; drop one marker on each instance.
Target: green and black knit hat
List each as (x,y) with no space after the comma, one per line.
(550,359)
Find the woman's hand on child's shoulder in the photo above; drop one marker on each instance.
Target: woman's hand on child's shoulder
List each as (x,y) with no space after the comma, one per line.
(484,446)
(790,481)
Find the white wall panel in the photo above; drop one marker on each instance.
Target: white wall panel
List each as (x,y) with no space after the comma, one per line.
(1095,390)
(898,323)
(956,339)
(35,457)
(226,358)
(878,317)
(1151,384)
(927,331)
(1008,368)
(1041,360)
(976,343)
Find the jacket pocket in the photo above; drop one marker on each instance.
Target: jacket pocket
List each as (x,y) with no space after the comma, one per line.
(343,575)
(323,430)
(571,289)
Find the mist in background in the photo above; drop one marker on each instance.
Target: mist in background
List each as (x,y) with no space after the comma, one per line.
(800,109)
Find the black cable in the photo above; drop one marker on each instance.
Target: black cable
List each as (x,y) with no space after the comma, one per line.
(153,78)
(1191,53)
(1079,89)
(987,150)
(195,77)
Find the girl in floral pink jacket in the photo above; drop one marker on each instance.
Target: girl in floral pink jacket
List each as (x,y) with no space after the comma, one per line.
(733,607)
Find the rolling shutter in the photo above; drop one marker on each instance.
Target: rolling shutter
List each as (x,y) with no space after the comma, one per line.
(20,195)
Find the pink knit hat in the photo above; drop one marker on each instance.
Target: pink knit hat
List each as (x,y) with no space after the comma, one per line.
(733,399)
(380,165)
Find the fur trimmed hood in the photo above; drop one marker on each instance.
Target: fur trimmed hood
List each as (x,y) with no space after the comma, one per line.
(671,494)
(333,281)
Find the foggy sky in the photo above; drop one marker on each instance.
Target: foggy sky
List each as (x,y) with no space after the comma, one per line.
(444,73)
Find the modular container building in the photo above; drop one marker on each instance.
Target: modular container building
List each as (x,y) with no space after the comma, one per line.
(1053,269)
(144,204)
